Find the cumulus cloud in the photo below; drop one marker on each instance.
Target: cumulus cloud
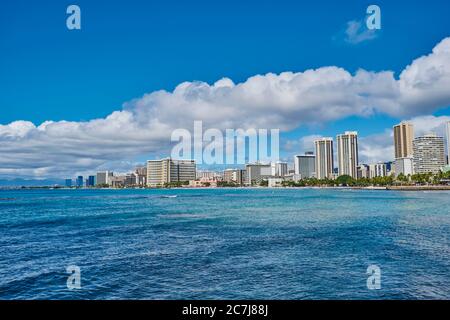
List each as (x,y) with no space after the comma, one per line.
(302,145)
(285,101)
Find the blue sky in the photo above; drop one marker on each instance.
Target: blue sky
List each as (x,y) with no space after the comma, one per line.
(128,48)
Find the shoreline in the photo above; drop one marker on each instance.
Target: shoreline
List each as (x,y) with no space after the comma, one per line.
(371,188)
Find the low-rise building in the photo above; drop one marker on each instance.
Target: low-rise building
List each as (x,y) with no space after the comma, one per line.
(377,170)
(275,182)
(237,176)
(404,166)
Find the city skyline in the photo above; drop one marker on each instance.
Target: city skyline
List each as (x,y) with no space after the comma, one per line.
(124,118)
(413,154)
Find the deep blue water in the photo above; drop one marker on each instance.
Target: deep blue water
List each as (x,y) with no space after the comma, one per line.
(224,244)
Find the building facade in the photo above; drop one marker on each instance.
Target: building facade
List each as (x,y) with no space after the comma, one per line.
(403,140)
(91,181)
(377,170)
(80,182)
(257,173)
(324,165)
(305,165)
(160,172)
(279,169)
(447,127)
(363,171)
(429,154)
(104,177)
(347,144)
(237,176)
(141,176)
(404,166)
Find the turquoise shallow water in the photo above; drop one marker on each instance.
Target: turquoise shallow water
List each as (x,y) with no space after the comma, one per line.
(224,244)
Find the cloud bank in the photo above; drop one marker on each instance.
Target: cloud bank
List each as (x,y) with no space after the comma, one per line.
(285,101)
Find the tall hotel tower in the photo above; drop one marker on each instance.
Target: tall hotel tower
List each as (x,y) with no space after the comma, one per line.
(160,172)
(324,158)
(347,144)
(429,154)
(403,140)
(448,141)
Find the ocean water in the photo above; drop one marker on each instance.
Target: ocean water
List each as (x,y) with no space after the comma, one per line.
(224,244)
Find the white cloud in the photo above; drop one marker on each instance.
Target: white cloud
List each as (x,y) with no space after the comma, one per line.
(285,101)
(357,32)
(302,145)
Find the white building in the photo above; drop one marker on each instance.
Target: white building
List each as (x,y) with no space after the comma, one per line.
(363,171)
(377,170)
(429,154)
(305,165)
(279,169)
(160,172)
(404,166)
(257,173)
(237,176)
(324,165)
(448,141)
(209,174)
(275,182)
(347,145)
(104,177)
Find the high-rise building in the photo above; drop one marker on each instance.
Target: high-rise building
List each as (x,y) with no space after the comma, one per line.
(91,181)
(279,169)
(305,165)
(429,154)
(68,183)
(130,180)
(404,166)
(447,126)
(347,145)
(80,181)
(160,172)
(141,175)
(403,140)
(377,170)
(257,173)
(104,177)
(324,158)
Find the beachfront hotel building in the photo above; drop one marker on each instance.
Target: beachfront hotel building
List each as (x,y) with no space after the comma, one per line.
(324,165)
(305,165)
(377,170)
(347,145)
(403,140)
(363,171)
(447,129)
(429,154)
(104,177)
(279,169)
(404,166)
(237,176)
(160,172)
(257,172)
